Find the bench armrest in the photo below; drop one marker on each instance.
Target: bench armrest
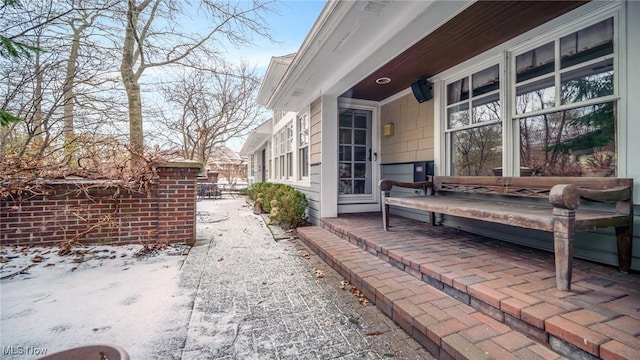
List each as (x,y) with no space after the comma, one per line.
(386,185)
(564,196)
(567,196)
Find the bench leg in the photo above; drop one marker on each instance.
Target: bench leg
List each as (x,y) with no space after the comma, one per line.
(563,233)
(623,235)
(385,216)
(385,211)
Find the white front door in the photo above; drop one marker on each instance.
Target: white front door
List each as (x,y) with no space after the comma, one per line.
(356,156)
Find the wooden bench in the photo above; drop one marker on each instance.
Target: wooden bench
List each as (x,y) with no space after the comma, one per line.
(610,205)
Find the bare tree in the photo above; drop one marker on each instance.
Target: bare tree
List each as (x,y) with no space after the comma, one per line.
(154,37)
(215,106)
(60,87)
(78,26)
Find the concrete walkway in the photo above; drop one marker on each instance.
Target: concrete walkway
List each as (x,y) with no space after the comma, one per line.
(255,298)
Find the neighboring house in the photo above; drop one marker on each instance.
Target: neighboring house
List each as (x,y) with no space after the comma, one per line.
(516,88)
(230,166)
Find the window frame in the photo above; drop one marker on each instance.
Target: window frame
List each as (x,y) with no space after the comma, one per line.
(288,148)
(303,119)
(449,131)
(555,37)
(505,53)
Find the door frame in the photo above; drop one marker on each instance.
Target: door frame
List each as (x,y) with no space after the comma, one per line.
(362,202)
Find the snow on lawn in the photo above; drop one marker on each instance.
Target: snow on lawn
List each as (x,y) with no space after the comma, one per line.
(100,294)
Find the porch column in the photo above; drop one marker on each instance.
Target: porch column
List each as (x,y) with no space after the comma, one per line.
(329,175)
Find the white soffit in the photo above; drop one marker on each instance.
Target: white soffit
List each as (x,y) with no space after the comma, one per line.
(275,71)
(350,40)
(257,138)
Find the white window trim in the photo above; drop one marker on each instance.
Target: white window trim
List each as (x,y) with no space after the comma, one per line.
(505,53)
(442,152)
(294,179)
(374,107)
(299,176)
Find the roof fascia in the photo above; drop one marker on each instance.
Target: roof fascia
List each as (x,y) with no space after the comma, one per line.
(330,17)
(257,138)
(272,77)
(410,22)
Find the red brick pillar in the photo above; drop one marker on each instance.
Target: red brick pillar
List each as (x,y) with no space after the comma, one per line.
(177,185)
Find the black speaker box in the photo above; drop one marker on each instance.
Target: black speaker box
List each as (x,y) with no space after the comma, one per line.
(422,90)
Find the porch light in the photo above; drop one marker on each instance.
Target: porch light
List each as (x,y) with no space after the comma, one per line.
(388,129)
(383,80)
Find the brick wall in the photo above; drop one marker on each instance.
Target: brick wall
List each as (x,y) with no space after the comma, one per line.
(167,213)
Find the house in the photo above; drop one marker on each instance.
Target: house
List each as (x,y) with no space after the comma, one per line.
(380,89)
(229,165)
(257,148)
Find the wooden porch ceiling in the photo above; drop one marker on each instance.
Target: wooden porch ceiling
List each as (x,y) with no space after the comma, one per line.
(478,28)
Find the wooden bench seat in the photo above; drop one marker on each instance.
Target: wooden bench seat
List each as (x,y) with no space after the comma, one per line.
(492,200)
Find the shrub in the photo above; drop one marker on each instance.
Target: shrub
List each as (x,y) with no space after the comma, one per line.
(292,203)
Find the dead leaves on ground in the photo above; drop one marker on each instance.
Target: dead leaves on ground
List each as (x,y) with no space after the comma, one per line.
(374,333)
(148,249)
(344,284)
(319,273)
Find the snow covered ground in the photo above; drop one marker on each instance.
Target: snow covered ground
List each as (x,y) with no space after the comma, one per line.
(98,295)
(237,295)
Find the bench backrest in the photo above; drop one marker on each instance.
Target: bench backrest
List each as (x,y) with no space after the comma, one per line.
(601,189)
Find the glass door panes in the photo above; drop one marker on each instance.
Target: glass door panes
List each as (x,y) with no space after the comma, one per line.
(354,152)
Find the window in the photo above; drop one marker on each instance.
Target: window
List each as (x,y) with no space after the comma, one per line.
(473,127)
(289,150)
(251,165)
(564,106)
(276,152)
(556,107)
(283,151)
(303,145)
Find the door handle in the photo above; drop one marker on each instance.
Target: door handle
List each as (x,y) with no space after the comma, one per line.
(375,156)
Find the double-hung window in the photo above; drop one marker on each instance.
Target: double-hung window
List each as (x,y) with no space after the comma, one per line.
(283,151)
(303,145)
(556,105)
(251,165)
(473,123)
(289,150)
(564,104)
(282,144)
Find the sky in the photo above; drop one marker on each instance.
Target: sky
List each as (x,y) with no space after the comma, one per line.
(290,24)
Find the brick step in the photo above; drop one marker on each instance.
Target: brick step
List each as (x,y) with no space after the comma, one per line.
(515,285)
(445,326)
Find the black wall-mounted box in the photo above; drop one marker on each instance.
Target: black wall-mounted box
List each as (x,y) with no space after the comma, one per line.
(421,169)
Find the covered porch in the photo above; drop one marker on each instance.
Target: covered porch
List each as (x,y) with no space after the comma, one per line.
(467,296)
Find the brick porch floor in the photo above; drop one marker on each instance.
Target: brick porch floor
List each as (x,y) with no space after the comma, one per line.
(465,296)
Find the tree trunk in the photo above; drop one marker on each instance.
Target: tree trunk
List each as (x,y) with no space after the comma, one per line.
(130,81)
(68,128)
(37,97)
